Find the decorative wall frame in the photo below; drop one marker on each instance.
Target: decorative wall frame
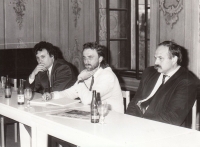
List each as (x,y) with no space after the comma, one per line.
(21,44)
(76,10)
(77,55)
(171,12)
(199,22)
(19,7)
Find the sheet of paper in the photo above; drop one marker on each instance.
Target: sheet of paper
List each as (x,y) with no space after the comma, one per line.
(58,102)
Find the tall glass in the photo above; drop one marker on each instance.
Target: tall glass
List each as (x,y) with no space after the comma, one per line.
(3,81)
(28,96)
(103,111)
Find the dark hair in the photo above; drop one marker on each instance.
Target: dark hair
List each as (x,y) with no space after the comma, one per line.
(48,46)
(174,50)
(100,50)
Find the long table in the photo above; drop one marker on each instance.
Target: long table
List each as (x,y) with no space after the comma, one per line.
(24,115)
(120,129)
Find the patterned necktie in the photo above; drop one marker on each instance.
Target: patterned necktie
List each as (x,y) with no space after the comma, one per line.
(146,103)
(92,82)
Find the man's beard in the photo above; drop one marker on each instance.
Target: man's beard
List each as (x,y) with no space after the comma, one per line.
(90,67)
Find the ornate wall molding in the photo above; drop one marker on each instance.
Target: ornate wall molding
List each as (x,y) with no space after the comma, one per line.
(21,44)
(102,25)
(76,10)
(19,7)
(74,55)
(77,55)
(171,12)
(199,22)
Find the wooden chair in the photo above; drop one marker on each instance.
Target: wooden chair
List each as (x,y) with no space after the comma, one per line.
(194,116)
(6,122)
(126,96)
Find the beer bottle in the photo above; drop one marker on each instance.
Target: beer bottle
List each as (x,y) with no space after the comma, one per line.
(20,93)
(7,88)
(94,110)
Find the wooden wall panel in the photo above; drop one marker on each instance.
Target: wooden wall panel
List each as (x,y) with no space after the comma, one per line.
(18,24)
(90,19)
(37,20)
(197,40)
(154,28)
(12,32)
(76,31)
(2,36)
(54,22)
(64,28)
(175,33)
(188,30)
(184,31)
(44,20)
(67,24)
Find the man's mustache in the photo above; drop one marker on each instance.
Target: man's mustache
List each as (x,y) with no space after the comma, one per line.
(157,66)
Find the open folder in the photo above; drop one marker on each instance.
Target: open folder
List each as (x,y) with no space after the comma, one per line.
(58,102)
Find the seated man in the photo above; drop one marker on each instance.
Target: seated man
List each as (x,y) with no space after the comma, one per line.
(97,76)
(51,73)
(168,99)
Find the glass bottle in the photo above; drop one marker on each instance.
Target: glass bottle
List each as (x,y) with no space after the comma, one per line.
(20,93)
(7,88)
(94,110)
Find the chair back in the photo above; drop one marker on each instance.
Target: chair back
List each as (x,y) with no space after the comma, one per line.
(126,96)
(194,116)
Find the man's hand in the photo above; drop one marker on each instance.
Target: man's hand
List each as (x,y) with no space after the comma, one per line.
(46,96)
(38,68)
(84,75)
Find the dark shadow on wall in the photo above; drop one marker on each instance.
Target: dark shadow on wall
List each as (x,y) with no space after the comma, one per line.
(60,56)
(185,58)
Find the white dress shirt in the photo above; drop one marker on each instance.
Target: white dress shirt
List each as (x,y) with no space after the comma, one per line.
(158,83)
(105,82)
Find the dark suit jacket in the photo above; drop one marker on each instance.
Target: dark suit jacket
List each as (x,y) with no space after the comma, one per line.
(62,77)
(172,102)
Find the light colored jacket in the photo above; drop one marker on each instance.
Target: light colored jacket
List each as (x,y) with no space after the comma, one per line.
(105,82)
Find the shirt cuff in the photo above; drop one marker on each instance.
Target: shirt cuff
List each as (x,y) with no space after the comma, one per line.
(55,95)
(31,80)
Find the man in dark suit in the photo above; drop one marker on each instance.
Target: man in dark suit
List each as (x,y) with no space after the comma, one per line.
(167,99)
(51,73)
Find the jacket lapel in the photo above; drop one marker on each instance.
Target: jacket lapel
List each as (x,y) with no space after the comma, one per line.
(44,79)
(162,91)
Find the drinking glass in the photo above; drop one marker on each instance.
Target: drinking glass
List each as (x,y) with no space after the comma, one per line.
(28,96)
(103,111)
(3,81)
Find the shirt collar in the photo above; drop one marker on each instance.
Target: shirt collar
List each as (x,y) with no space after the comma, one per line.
(97,72)
(50,69)
(173,72)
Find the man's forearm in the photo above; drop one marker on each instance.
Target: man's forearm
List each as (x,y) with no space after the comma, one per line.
(31,78)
